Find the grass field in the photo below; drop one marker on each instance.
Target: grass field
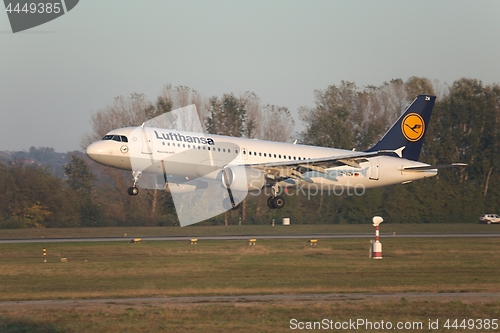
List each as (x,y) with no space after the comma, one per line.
(97,270)
(160,269)
(262,317)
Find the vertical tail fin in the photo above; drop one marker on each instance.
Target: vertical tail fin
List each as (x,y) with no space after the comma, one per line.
(409,130)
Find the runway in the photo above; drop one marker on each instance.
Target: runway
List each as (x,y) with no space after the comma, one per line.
(246,237)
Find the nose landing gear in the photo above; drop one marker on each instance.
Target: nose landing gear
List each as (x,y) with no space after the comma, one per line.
(134,190)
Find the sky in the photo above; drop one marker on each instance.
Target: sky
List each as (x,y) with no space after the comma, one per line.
(54,76)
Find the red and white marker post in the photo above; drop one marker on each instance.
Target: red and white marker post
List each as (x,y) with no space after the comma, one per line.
(377,246)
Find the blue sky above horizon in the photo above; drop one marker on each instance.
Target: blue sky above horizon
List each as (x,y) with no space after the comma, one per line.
(52,77)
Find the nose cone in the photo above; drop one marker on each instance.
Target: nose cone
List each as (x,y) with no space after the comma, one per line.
(110,153)
(95,151)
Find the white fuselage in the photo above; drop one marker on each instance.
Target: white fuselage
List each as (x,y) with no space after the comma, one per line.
(190,155)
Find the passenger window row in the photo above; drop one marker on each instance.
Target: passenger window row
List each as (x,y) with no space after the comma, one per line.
(274,155)
(183,145)
(200,147)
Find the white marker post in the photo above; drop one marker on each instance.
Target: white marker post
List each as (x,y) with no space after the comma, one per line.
(377,246)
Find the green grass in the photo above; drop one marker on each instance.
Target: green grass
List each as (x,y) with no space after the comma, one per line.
(159,269)
(263,317)
(97,270)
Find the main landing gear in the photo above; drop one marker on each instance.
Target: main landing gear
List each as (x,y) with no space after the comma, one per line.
(275,201)
(134,190)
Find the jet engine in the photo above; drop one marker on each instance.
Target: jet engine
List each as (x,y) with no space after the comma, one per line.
(238,178)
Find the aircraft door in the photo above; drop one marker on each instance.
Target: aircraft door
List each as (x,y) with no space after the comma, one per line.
(147,143)
(244,153)
(374,168)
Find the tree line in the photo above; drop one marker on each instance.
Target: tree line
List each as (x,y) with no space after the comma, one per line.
(463,128)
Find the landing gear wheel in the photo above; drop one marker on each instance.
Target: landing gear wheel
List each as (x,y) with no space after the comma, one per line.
(133,190)
(270,203)
(275,202)
(278,202)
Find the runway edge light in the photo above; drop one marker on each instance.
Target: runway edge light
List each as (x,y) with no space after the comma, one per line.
(377,246)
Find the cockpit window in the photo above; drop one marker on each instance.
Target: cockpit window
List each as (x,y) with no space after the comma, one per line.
(119,138)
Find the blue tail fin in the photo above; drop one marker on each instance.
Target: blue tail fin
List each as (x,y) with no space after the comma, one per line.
(409,130)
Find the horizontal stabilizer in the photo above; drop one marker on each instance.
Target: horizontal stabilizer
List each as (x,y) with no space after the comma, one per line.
(432,167)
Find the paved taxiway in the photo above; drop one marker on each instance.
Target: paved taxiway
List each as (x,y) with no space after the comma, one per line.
(246,237)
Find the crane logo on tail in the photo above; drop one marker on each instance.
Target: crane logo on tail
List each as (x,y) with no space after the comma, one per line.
(413,127)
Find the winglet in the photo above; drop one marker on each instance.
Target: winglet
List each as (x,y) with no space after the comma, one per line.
(399,151)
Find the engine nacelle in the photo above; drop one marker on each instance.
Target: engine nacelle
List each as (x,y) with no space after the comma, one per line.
(239,178)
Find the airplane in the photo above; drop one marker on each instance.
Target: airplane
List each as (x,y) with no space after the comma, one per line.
(183,161)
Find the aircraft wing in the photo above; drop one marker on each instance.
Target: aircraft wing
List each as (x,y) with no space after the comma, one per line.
(295,168)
